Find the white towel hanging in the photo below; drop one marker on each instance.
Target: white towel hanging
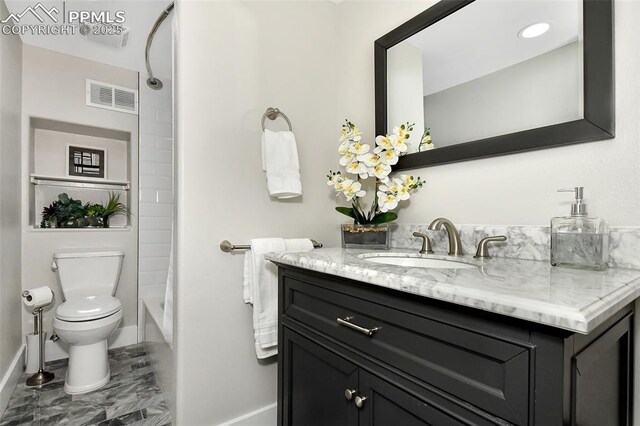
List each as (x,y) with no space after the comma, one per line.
(281,165)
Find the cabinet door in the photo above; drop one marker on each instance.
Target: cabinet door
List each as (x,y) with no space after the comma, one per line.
(314,384)
(386,404)
(601,376)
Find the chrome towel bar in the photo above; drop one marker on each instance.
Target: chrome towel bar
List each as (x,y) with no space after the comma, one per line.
(272,114)
(227,247)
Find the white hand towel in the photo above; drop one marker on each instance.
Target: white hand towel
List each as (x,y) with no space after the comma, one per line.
(261,289)
(296,245)
(280,162)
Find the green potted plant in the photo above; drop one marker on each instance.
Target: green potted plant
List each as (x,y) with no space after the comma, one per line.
(113,207)
(63,213)
(95,215)
(370,226)
(66,212)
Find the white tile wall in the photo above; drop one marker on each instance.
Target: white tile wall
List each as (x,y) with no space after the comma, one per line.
(156,188)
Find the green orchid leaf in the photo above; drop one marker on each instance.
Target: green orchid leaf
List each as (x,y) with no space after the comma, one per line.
(359,217)
(384,217)
(348,211)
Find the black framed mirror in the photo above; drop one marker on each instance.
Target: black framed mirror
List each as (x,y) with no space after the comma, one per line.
(517,85)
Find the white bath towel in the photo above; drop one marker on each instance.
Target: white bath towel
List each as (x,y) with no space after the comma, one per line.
(261,289)
(280,163)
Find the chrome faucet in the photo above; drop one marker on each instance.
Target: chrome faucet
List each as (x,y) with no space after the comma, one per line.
(455,246)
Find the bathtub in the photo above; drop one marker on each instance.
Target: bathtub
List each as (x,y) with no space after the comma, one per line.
(160,352)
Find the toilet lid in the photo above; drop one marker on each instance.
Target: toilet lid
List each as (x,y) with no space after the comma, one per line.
(88,308)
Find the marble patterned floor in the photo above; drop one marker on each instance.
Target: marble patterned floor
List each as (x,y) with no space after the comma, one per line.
(132,397)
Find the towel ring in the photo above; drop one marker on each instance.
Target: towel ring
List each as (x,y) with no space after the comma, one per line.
(272,114)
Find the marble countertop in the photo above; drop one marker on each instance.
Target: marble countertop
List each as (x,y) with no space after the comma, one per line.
(571,299)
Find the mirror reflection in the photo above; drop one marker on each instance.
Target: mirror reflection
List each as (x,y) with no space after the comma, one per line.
(491,68)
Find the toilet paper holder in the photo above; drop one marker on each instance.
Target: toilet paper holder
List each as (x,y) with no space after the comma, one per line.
(41,376)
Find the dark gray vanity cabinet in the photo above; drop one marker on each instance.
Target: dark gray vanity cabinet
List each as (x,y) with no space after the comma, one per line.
(358,354)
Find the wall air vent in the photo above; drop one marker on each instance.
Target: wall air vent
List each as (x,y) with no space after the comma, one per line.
(109,96)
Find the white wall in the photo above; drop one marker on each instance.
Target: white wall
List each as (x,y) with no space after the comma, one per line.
(51,153)
(10,206)
(404,90)
(235,59)
(513,189)
(312,59)
(54,88)
(156,188)
(541,91)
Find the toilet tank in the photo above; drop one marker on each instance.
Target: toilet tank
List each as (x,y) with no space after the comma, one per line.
(88,273)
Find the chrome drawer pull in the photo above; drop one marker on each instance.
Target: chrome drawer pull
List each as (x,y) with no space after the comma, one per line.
(360,401)
(346,322)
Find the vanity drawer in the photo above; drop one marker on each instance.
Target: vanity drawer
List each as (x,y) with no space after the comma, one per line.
(486,370)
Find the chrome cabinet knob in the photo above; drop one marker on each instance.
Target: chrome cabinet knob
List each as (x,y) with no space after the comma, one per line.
(349,393)
(360,401)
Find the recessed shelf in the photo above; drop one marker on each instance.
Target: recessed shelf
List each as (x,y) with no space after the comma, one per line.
(111,229)
(77,182)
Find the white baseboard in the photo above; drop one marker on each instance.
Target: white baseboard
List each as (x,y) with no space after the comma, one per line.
(121,337)
(11,378)
(265,416)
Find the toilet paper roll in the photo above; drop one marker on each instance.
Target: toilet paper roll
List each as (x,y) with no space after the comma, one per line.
(37,297)
(33,353)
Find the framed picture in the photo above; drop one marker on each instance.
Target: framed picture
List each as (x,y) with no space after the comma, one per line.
(86,161)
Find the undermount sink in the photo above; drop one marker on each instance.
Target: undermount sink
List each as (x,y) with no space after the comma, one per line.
(402,259)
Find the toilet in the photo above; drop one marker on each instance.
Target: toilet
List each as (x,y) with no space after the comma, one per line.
(89,315)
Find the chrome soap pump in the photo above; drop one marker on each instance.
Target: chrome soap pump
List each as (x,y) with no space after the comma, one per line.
(579,241)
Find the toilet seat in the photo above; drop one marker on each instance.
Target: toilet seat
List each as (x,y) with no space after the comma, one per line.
(88,308)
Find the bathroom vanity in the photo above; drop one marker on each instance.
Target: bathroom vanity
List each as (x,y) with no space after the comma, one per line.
(504,342)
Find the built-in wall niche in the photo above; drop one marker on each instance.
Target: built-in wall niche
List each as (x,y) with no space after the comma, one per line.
(88,164)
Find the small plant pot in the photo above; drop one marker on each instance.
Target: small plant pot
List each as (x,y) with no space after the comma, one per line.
(69,223)
(95,222)
(366,236)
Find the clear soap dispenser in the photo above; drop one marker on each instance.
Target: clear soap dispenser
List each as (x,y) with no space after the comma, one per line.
(579,241)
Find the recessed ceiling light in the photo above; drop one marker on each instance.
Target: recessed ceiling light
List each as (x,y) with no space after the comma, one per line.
(534,30)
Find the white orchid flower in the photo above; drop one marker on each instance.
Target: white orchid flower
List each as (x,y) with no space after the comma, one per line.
(388,157)
(358,168)
(427,146)
(343,184)
(387,202)
(344,147)
(354,190)
(392,187)
(334,179)
(408,180)
(344,134)
(380,170)
(400,146)
(404,192)
(347,158)
(384,142)
(400,132)
(370,159)
(359,149)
